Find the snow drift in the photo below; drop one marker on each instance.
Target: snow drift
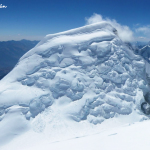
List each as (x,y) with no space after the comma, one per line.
(82,75)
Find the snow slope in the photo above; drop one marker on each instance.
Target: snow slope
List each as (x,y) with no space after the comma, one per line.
(127,137)
(72,84)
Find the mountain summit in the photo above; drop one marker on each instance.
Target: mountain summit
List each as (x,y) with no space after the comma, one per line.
(85,76)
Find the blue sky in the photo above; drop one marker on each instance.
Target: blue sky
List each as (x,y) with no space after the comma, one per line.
(33,19)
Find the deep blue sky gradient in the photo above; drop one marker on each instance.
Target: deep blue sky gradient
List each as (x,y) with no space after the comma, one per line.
(33,19)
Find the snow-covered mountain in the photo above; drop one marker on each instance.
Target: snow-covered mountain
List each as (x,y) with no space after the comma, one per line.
(138,44)
(72,84)
(145,52)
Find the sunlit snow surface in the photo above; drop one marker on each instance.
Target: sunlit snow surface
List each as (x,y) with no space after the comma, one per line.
(72,84)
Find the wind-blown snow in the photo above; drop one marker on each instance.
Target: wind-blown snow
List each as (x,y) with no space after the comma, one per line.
(74,79)
(124,32)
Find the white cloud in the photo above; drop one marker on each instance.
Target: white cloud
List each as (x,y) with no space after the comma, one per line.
(142,37)
(94,19)
(144,29)
(124,32)
(3,6)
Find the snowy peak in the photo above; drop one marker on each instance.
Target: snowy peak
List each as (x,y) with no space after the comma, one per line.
(86,74)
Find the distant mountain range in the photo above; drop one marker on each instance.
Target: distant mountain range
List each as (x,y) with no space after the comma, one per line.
(139,44)
(137,47)
(11,51)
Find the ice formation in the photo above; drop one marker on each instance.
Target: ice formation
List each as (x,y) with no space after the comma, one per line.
(88,73)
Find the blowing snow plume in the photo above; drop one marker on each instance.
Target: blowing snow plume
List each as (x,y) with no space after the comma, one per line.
(124,32)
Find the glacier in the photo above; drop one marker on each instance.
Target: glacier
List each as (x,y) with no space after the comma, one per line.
(72,84)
